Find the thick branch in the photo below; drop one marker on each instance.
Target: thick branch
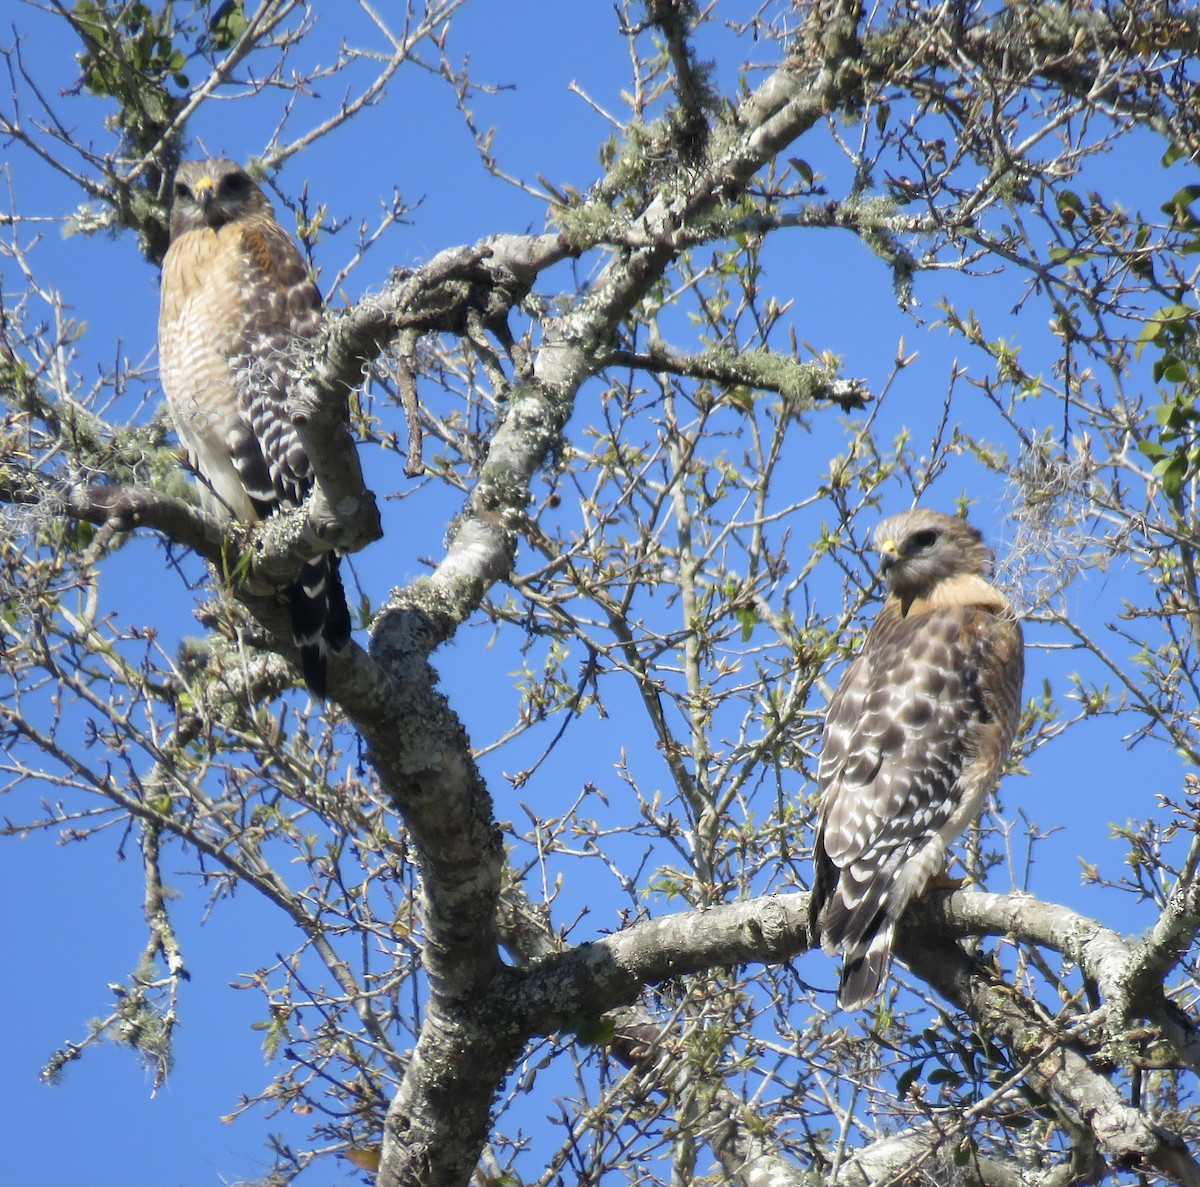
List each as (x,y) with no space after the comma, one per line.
(613,970)
(1118,970)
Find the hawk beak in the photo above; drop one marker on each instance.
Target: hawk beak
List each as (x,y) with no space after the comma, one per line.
(889,554)
(204,191)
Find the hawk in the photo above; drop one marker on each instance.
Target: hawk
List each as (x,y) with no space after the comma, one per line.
(237,299)
(914,738)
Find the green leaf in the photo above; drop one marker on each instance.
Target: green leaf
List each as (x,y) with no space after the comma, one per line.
(228,24)
(803,168)
(1177,207)
(1070,206)
(1167,414)
(83,534)
(1064,255)
(1171,318)
(943,1075)
(1171,472)
(593,1031)
(1174,153)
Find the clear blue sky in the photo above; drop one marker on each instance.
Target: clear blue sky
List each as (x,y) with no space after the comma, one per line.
(72,914)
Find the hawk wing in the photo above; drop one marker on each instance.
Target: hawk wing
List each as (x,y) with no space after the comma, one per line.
(280,307)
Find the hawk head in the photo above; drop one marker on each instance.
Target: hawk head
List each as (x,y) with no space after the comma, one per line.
(921,548)
(212,193)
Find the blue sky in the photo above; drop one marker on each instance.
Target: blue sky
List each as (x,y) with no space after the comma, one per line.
(72,913)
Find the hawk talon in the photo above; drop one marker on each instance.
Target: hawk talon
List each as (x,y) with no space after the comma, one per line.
(943,881)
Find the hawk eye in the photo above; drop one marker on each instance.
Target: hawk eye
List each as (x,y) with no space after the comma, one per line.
(235,184)
(181,190)
(919,541)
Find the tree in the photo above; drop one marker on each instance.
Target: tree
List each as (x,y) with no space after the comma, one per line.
(655,498)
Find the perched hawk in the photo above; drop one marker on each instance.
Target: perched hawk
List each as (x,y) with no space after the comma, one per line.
(236,299)
(914,739)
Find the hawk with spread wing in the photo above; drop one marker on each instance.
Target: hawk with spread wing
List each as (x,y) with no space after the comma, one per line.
(915,738)
(237,299)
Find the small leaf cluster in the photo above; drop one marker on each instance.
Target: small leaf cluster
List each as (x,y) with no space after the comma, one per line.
(1176,450)
(123,41)
(137,55)
(967,1062)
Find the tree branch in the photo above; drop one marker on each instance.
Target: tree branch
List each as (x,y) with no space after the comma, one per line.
(802,385)
(1059,1070)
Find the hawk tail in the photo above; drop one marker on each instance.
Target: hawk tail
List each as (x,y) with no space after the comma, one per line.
(865,968)
(320,618)
(855,920)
